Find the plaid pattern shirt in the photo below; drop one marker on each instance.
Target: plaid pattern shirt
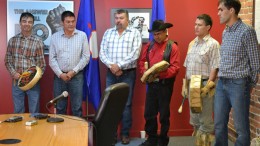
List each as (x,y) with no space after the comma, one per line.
(24,52)
(122,50)
(202,56)
(239,53)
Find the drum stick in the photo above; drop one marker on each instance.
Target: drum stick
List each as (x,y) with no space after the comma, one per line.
(146,65)
(180,108)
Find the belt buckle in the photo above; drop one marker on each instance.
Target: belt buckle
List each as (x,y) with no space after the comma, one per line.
(156,80)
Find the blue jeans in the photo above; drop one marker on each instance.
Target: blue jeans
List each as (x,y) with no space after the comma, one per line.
(75,90)
(129,78)
(33,99)
(232,93)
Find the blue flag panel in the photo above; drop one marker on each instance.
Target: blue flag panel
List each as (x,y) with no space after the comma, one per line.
(86,22)
(158,13)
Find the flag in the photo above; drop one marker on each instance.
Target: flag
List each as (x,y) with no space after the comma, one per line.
(86,22)
(158,13)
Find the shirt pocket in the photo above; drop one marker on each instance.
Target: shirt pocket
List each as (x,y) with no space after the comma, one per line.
(204,53)
(112,42)
(29,52)
(60,47)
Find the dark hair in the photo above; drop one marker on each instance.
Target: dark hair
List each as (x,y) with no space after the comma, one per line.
(26,14)
(67,14)
(231,4)
(120,11)
(206,18)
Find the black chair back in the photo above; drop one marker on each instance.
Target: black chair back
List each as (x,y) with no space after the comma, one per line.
(109,113)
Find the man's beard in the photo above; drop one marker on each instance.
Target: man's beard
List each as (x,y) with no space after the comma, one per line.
(119,26)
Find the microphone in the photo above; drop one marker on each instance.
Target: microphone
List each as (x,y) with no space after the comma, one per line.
(64,94)
(56,119)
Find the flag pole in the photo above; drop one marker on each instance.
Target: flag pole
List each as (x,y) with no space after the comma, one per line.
(87,106)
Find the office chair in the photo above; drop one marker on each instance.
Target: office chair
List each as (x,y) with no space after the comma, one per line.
(108,116)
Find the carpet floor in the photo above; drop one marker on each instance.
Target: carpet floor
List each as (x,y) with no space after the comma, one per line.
(174,141)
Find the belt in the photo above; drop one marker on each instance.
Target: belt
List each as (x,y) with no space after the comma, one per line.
(130,69)
(126,70)
(67,72)
(201,79)
(164,81)
(156,80)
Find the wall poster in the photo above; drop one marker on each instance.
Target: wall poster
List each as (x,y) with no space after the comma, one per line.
(47,17)
(138,18)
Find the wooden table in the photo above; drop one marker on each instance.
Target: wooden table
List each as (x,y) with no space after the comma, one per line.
(72,132)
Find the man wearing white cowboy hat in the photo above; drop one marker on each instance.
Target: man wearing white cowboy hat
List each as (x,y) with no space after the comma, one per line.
(160,88)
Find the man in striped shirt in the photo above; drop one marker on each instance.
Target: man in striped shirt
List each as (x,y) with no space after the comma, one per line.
(69,54)
(25,50)
(238,74)
(120,48)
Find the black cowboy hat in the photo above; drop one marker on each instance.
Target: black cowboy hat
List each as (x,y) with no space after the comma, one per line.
(159,25)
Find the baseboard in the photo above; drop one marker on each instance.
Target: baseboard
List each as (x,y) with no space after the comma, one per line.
(182,132)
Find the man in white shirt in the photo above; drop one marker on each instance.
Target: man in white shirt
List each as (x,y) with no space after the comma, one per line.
(68,55)
(120,49)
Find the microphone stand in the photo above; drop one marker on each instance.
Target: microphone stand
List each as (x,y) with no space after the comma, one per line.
(54,119)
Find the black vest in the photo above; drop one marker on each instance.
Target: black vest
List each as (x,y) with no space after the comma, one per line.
(167,52)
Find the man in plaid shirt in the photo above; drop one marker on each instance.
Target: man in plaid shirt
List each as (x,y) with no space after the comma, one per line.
(119,50)
(238,74)
(23,51)
(202,59)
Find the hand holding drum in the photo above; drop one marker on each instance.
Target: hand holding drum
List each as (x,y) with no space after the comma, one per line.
(29,78)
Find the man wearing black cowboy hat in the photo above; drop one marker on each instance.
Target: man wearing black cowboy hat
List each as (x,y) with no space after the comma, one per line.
(160,88)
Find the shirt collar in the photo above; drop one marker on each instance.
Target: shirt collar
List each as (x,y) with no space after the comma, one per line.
(234,26)
(22,36)
(74,32)
(204,39)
